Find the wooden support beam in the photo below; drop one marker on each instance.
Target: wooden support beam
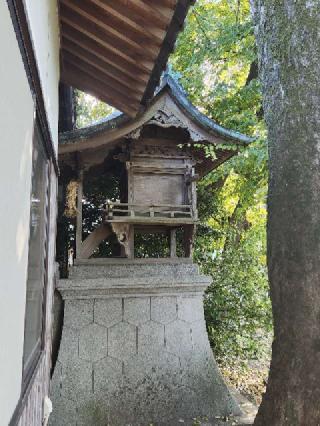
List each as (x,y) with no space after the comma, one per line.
(193,191)
(79,214)
(152,28)
(111,86)
(105,54)
(70,49)
(125,236)
(130,252)
(79,19)
(101,233)
(167,221)
(188,238)
(85,83)
(173,242)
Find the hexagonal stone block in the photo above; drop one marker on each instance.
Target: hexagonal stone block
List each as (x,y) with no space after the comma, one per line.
(122,341)
(68,350)
(95,412)
(93,342)
(144,366)
(190,309)
(107,375)
(108,311)
(78,313)
(150,337)
(55,384)
(178,338)
(163,309)
(137,310)
(200,338)
(64,409)
(76,380)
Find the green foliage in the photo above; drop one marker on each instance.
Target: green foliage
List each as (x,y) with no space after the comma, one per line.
(99,186)
(214,56)
(89,109)
(237,305)
(151,245)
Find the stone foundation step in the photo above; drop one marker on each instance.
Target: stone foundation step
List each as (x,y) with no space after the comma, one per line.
(125,268)
(127,278)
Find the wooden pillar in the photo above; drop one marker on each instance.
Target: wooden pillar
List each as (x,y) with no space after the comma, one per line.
(130,252)
(194,177)
(189,231)
(173,242)
(79,215)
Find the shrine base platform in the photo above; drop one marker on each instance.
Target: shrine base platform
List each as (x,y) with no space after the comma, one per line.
(134,348)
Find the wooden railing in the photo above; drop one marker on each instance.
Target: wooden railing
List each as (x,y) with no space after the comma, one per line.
(117,209)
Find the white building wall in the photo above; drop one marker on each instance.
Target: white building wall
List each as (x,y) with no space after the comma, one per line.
(16,132)
(44,24)
(16,118)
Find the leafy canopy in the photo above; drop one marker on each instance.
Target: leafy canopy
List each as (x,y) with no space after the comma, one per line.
(89,109)
(215,61)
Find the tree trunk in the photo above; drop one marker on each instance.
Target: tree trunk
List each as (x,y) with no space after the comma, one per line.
(288,39)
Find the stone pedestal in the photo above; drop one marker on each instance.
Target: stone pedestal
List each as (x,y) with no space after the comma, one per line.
(134,347)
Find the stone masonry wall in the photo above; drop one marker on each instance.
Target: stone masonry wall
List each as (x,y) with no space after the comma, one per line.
(136,360)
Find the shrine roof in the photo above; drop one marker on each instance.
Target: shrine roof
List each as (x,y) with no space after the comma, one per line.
(116,50)
(170,99)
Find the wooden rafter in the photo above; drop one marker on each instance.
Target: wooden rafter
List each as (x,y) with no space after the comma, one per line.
(90,76)
(124,49)
(165,8)
(127,28)
(95,91)
(112,24)
(104,53)
(110,83)
(153,28)
(84,81)
(117,49)
(141,12)
(171,4)
(71,48)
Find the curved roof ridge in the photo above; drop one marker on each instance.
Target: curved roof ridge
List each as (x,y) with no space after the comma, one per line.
(109,122)
(179,95)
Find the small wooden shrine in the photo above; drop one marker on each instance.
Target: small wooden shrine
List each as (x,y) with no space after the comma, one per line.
(161,154)
(134,332)
(161,193)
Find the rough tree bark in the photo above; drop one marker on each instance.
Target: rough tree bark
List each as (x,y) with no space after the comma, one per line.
(288,39)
